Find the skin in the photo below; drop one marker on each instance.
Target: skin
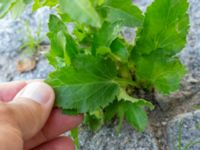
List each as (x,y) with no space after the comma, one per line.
(27,124)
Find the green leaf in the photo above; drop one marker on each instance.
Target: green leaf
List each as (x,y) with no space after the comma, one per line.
(134,113)
(97,2)
(18,8)
(94,120)
(165,28)
(163,35)
(27,1)
(41,3)
(136,116)
(158,70)
(123,11)
(87,86)
(119,49)
(125,97)
(106,34)
(63,46)
(81,11)
(5,6)
(130,108)
(74,134)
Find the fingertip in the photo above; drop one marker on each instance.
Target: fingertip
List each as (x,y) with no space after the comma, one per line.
(9,90)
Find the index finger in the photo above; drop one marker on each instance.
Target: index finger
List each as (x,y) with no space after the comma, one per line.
(10,89)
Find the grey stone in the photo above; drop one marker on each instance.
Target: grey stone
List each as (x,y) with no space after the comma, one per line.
(142,4)
(190,56)
(108,139)
(13,32)
(187,127)
(8,69)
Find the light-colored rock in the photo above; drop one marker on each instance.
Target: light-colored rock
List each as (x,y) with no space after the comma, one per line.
(184,130)
(108,139)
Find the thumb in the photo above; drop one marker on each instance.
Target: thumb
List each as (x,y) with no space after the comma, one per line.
(30,109)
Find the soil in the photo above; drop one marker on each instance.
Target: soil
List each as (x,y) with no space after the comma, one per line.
(160,117)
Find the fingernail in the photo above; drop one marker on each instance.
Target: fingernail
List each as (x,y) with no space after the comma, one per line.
(38,92)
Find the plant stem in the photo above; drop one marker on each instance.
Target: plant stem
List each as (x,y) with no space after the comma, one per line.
(126,82)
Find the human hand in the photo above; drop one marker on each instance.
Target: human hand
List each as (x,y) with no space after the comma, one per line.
(29,121)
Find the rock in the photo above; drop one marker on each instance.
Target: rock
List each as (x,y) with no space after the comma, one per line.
(142,4)
(14,32)
(108,139)
(184,130)
(41,71)
(190,56)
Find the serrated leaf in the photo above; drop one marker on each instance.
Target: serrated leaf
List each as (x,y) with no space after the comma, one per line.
(165,27)
(5,6)
(163,35)
(162,72)
(63,46)
(82,11)
(125,97)
(123,11)
(87,86)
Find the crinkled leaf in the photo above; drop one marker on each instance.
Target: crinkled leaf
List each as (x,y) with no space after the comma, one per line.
(63,46)
(87,86)
(165,27)
(5,6)
(82,11)
(163,73)
(163,35)
(123,11)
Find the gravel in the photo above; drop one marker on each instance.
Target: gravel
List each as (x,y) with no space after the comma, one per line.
(108,139)
(13,34)
(183,130)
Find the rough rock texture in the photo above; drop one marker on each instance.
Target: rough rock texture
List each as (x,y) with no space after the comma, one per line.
(108,139)
(183,131)
(13,34)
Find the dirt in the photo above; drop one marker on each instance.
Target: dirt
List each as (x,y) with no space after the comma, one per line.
(181,102)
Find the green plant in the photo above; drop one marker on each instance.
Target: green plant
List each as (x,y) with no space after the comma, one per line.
(32,44)
(187,145)
(95,66)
